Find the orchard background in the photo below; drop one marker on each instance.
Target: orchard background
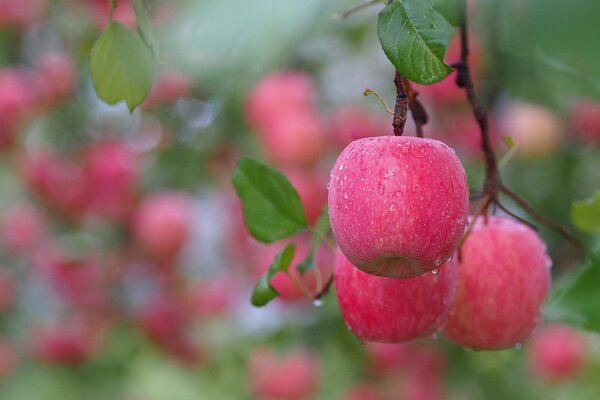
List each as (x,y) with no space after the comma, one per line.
(126,269)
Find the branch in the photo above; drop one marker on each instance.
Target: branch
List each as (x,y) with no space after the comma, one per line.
(540,218)
(417,110)
(401,106)
(464,79)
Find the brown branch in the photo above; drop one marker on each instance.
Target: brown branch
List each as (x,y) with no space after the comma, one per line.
(417,110)
(464,79)
(540,218)
(401,106)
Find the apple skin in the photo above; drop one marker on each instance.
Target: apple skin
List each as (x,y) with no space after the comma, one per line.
(389,310)
(291,376)
(398,205)
(585,121)
(557,353)
(503,279)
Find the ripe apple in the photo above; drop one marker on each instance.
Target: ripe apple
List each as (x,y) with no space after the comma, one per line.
(21,228)
(283,283)
(161,224)
(398,205)
(504,276)
(312,189)
(291,376)
(585,119)
(557,353)
(168,88)
(381,309)
(350,123)
(536,130)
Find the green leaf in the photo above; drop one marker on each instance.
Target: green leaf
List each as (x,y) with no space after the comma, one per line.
(307,264)
(508,141)
(272,207)
(322,228)
(263,291)
(121,66)
(144,25)
(575,299)
(415,37)
(449,9)
(586,214)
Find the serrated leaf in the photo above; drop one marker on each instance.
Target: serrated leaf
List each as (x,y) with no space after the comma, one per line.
(575,299)
(272,207)
(586,214)
(415,37)
(121,66)
(449,9)
(144,25)
(263,291)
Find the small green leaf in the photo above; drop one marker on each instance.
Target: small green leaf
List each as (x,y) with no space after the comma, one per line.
(321,228)
(575,299)
(272,207)
(323,224)
(508,141)
(307,264)
(586,214)
(449,9)
(263,291)
(121,66)
(415,37)
(144,25)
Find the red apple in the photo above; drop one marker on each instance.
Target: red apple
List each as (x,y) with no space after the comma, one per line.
(381,309)
(557,353)
(350,123)
(585,119)
(398,205)
(168,88)
(21,228)
(504,276)
(293,376)
(312,189)
(161,224)
(536,131)
(58,75)
(285,286)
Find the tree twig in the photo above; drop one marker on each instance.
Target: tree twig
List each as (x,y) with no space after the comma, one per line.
(401,106)
(417,110)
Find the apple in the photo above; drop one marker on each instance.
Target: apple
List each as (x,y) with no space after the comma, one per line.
(382,309)
(398,205)
(283,283)
(536,130)
(161,224)
(504,276)
(585,120)
(311,186)
(291,376)
(58,76)
(350,123)
(557,353)
(168,88)
(21,227)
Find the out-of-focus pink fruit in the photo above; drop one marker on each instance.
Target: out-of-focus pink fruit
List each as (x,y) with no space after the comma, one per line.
(504,278)
(58,75)
(161,224)
(70,342)
(585,119)
(312,188)
(536,130)
(557,353)
(213,296)
(279,93)
(21,228)
(354,122)
(362,391)
(285,286)
(111,171)
(168,88)
(17,101)
(20,13)
(380,309)
(398,205)
(293,376)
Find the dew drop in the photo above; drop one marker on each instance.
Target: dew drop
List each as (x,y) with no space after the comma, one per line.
(381,188)
(317,302)
(392,207)
(518,346)
(341,167)
(346,195)
(435,271)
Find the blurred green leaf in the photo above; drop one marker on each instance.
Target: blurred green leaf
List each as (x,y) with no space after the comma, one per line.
(449,9)
(415,37)
(272,207)
(144,25)
(508,141)
(586,214)
(576,297)
(322,227)
(121,66)
(263,291)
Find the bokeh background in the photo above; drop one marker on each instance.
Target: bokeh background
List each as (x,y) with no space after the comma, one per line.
(125,268)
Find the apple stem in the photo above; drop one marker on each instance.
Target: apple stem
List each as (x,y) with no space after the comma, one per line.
(301,286)
(417,110)
(401,106)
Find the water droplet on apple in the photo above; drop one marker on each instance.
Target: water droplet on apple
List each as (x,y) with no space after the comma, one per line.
(435,271)
(392,207)
(317,302)
(341,167)
(346,195)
